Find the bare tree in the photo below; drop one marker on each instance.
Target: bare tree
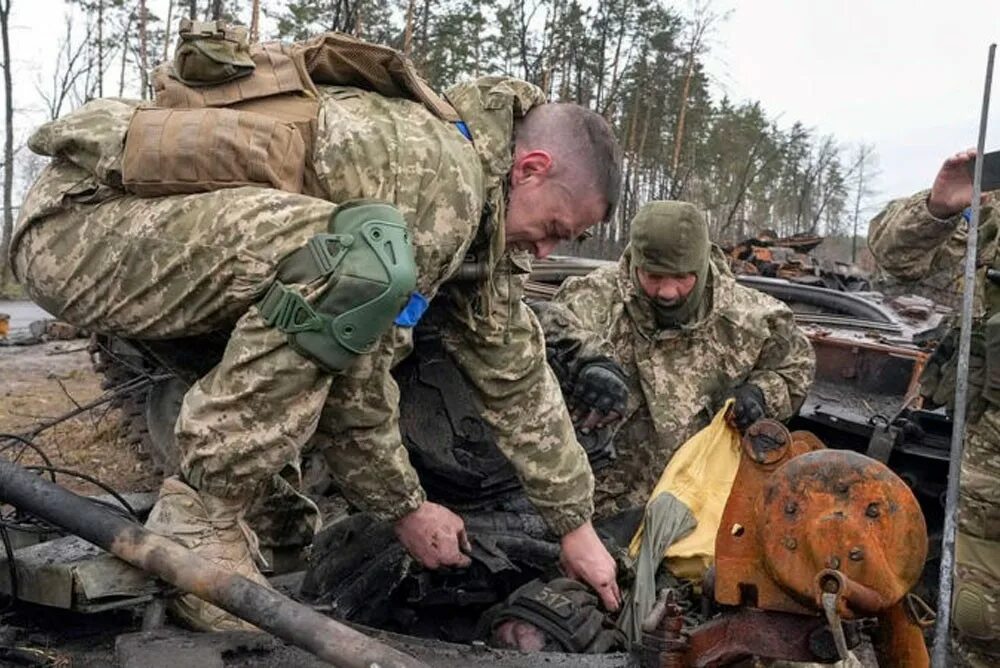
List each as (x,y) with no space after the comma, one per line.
(864,170)
(100,48)
(143,53)
(167,34)
(699,27)
(254,22)
(72,65)
(8,146)
(408,30)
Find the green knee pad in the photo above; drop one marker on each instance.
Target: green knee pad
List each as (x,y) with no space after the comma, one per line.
(976,605)
(368,264)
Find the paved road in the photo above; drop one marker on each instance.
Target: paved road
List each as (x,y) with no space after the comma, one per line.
(22,313)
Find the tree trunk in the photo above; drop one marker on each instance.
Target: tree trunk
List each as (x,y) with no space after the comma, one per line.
(168,30)
(100,48)
(8,143)
(216,10)
(408,30)
(255,22)
(682,113)
(193,10)
(143,57)
(121,73)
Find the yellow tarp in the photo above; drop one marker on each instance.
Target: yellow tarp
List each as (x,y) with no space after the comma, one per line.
(700,474)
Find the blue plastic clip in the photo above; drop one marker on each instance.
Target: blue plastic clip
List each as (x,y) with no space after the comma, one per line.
(413,311)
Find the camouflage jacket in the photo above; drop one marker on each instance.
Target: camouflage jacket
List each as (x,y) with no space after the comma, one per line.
(448,189)
(486,326)
(927,254)
(678,378)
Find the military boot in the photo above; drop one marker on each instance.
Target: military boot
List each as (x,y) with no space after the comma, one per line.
(214,528)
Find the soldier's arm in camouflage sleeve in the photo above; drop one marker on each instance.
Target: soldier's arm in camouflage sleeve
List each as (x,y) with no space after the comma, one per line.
(910,243)
(576,320)
(785,368)
(497,341)
(366,456)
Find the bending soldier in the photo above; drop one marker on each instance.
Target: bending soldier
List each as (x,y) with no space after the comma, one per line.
(304,216)
(921,240)
(670,328)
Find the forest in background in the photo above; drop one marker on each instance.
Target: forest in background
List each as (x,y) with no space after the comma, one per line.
(640,63)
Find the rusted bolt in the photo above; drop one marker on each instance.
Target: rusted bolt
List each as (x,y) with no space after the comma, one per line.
(857,554)
(834,562)
(791,543)
(737,530)
(843,488)
(791,508)
(830,585)
(872,510)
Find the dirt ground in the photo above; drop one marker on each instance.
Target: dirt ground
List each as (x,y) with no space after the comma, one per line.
(41,382)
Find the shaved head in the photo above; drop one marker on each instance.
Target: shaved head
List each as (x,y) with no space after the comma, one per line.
(585,153)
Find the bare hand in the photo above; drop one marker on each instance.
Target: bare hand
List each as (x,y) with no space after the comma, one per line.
(585,558)
(434,536)
(586,421)
(952,189)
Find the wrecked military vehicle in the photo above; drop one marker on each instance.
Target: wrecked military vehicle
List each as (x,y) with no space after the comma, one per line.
(864,400)
(790,258)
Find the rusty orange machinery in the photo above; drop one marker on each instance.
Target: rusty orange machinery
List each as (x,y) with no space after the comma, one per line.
(813,531)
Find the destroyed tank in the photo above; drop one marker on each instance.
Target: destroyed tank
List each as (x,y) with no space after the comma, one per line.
(791,258)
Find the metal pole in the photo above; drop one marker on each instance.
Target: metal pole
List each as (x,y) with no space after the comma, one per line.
(265,608)
(941,632)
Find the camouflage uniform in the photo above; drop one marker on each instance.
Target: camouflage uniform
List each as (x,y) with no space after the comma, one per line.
(911,244)
(678,378)
(183,264)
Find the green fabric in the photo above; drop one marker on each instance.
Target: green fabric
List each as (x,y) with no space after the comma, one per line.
(369,261)
(671,238)
(667,521)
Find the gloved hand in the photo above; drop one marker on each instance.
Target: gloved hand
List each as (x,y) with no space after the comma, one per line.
(749,405)
(599,394)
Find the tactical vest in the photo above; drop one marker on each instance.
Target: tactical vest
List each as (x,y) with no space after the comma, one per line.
(227,113)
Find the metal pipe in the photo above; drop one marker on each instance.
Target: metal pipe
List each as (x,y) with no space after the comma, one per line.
(941,632)
(131,542)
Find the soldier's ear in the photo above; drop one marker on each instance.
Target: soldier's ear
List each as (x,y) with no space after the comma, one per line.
(530,166)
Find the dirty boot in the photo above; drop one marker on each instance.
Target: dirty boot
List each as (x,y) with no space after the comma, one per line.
(212,527)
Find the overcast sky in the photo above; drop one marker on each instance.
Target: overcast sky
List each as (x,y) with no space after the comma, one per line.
(903,75)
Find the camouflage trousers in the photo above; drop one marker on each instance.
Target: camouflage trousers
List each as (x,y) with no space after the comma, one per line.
(188,264)
(976,603)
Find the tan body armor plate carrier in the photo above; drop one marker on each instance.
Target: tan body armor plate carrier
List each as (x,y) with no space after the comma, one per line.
(256,128)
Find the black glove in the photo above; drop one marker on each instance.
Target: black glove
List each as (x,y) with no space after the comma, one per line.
(560,362)
(599,394)
(566,611)
(749,405)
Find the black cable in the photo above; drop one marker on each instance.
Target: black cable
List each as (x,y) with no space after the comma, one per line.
(28,444)
(93,481)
